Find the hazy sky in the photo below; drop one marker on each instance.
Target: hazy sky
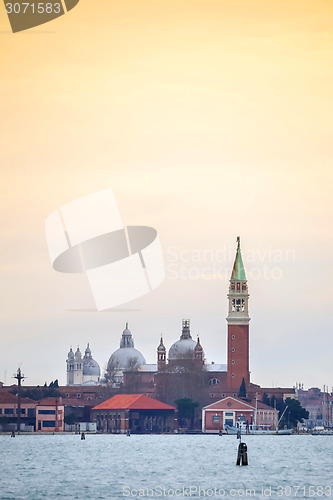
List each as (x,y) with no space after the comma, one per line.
(209,120)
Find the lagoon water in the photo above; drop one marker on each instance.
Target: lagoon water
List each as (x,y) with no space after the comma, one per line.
(164,466)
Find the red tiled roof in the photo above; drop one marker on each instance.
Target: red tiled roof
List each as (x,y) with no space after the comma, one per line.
(231,403)
(8,398)
(28,401)
(50,402)
(132,402)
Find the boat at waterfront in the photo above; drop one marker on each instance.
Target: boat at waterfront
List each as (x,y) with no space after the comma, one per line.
(259,431)
(322,433)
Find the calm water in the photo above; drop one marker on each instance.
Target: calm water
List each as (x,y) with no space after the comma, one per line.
(116,466)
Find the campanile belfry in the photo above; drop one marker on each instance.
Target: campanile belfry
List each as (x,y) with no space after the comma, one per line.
(238,325)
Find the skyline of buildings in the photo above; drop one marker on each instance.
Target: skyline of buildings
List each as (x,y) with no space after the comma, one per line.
(219,352)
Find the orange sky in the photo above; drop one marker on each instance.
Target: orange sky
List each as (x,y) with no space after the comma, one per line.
(208,119)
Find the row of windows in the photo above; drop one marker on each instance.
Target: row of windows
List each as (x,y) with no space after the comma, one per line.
(238,286)
(89,398)
(216,418)
(238,305)
(10,411)
(46,412)
(72,367)
(222,395)
(109,417)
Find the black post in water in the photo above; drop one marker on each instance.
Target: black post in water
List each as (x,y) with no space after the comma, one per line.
(242,451)
(83,436)
(19,377)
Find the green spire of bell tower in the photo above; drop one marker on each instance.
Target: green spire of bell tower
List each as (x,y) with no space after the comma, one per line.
(238,272)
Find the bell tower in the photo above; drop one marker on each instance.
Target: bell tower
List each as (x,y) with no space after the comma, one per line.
(161,356)
(238,326)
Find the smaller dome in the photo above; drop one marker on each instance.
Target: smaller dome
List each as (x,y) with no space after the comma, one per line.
(70,355)
(78,355)
(91,367)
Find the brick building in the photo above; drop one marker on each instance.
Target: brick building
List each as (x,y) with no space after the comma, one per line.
(232,411)
(136,413)
(50,414)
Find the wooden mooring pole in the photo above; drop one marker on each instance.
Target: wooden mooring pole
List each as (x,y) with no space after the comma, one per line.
(242,451)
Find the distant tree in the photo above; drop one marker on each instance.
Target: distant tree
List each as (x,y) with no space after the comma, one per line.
(70,419)
(265,399)
(273,402)
(186,380)
(38,393)
(186,408)
(242,390)
(295,412)
(56,384)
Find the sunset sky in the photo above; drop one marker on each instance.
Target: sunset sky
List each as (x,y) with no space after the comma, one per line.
(209,119)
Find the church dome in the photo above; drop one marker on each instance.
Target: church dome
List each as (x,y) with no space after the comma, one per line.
(70,356)
(123,359)
(182,349)
(78,355)
(185,347)
(90,366)
(126,357)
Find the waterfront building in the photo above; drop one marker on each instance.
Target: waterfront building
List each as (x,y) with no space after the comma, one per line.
(50,414)
(9,412)
(319,404)
(136,413)
(232,412)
